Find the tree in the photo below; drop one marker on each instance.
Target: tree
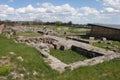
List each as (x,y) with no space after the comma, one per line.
(58,23)
(70,23)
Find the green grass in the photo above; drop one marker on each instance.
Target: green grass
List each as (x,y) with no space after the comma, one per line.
(54,27)
(69,29)
(102,45)
(105,71)
(67,56)
(4,70)
(28,34)
(34,61)
(79,30)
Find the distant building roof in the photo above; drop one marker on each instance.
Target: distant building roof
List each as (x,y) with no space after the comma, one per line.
(107,25)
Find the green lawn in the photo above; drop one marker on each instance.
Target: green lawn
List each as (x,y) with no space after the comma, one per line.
(67,56)
(103,45)
(34,61)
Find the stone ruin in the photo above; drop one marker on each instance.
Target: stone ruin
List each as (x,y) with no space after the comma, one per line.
(95,55)
(51,43)
(78,38)
(8,32)
(36,40)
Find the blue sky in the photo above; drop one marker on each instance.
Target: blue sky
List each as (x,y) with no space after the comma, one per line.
(77,11)
(74,3)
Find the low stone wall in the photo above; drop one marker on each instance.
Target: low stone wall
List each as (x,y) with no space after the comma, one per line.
(37,40)
(94,61)
(80,40)
(85,52)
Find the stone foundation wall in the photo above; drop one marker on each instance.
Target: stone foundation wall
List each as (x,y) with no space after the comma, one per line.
(94,61)
(89,54)
(109,33)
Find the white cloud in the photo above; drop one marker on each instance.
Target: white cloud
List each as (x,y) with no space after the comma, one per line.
(65,12)
(89,11)
(6,9)
(63,9)
(3,15)
(111,10)
(112,6)
(112,3)
(29,8)
(48,11)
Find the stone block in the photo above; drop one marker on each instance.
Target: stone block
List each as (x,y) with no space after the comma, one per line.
(64,47)
(104,39)
(109,42)
(91,38)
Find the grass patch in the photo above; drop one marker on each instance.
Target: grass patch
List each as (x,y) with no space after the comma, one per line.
(4,70)
(67,56)
(79,30)
(55,27)
(103,45)
(28,34)
(104,71)
(32,59)
(73,30)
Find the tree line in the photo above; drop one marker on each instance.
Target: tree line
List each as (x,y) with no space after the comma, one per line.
(39,22)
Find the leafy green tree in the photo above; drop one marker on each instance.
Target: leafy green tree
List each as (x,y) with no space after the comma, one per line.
(58,23)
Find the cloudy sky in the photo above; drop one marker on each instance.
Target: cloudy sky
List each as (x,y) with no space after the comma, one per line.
(77,11)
